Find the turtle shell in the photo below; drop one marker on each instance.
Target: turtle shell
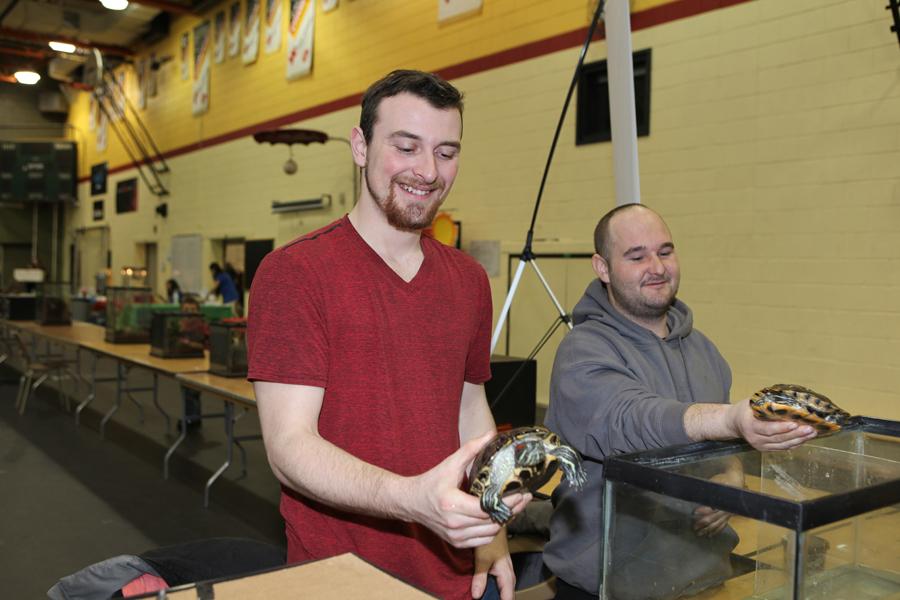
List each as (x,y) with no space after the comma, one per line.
(492,455)
(788,402)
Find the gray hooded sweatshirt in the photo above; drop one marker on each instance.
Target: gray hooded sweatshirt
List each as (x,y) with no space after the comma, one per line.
(617,388)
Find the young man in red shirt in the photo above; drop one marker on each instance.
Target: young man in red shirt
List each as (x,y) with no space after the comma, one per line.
(368,348)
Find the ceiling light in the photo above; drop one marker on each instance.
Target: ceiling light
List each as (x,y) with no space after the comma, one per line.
(27,77)
(63,47)
(115,4)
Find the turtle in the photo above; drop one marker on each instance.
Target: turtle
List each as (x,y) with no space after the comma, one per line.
(521,459)
(785,401)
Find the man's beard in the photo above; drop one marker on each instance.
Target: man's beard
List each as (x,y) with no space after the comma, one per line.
(638,306)
(412,218)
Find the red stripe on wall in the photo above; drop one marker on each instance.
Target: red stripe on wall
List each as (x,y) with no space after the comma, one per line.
(680,9)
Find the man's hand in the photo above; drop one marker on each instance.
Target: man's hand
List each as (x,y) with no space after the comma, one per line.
(708,521)
(439,504)
(494,559)
(767,435)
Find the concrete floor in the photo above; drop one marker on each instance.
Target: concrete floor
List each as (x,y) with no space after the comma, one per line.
(70,498)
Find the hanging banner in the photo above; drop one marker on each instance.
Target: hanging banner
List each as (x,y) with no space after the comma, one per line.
(102,127)
(92,114)
(140,69)
(273,25)
(117,104)
(250,48)
(451,9)
(152,78)
(201,68)
(220,37)
(329,5)
(185,56)
(234,30)
(300,38)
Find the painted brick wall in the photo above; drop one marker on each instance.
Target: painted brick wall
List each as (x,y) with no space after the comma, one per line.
(774,155)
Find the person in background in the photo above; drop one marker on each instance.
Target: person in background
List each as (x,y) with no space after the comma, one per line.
(238,278)
(632,375)
(224,286)
(193,333)
(173,292)
(369,346)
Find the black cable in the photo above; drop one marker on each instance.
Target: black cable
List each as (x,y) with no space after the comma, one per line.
(526,252)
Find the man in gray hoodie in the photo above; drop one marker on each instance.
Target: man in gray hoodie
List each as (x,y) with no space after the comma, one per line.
(633,375)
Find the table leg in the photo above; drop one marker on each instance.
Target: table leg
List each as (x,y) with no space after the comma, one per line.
(121,373)
(181,435)
(93,389)
(229,441)
(156,401)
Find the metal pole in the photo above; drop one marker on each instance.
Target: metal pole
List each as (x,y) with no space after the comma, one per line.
(621,103)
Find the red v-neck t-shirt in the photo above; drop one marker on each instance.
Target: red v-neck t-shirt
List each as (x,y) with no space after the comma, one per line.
(392,356)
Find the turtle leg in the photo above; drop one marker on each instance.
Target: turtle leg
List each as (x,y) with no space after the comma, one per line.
(493,505)
(571,466)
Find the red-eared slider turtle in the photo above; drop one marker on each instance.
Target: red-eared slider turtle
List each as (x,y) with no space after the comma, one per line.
(787,402)
(521,459)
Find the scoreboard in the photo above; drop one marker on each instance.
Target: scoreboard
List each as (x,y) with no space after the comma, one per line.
(38,171)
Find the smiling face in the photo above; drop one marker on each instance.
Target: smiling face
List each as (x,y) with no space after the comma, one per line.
(641,273)
(411,161)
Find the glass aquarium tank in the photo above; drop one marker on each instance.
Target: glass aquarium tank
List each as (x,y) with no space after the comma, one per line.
(178,335)
(228,348)
(818,522)
(125,322)
(17,307)
(52,303)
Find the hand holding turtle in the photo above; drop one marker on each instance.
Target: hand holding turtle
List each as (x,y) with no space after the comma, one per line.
(438,503)
(767,435)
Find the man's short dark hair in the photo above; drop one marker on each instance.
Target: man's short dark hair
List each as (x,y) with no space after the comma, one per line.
(601,232)
(433,89)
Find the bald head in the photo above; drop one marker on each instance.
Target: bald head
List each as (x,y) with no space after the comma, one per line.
(604,233)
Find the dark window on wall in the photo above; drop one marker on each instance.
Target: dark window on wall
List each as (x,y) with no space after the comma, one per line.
(592,122)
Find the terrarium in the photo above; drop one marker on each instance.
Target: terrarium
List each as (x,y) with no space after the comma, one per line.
(52,307)
(228,348)
(820,521)
(125,323)
(17,307)
(178,334)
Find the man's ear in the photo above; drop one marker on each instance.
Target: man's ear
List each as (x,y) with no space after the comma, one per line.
(358,146)
(601,267)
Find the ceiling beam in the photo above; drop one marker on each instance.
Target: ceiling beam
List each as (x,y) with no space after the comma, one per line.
(164,5)
(43,38)
(24,52)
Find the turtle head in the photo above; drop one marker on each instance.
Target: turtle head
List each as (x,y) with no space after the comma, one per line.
(529,453)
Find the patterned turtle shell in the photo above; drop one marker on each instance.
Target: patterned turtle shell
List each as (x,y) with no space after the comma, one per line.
(788,402)
(521,459)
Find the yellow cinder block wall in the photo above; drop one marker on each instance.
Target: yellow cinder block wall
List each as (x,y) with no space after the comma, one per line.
(774,155)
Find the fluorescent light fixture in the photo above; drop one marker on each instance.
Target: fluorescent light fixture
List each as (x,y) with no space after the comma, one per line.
(298,205)
(63,47)
(114,4)
(27,77)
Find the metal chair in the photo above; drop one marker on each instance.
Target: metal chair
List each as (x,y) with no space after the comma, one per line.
(37,371)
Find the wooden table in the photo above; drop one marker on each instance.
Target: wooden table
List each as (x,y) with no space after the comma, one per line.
(345,576)
(91,338)
(234,391)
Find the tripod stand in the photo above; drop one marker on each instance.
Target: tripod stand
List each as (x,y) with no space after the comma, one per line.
(527,255)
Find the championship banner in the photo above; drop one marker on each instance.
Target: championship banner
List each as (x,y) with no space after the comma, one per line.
(273,25)
(185,46)
(250,48)
(451,9)
(118,97)
(140,69)
(329,5)
(92,113)
(102,127)
(219,54)
(201,68)
(300,38)
(234,30)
